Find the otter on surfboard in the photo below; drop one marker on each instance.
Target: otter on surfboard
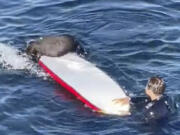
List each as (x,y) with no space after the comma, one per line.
(92,86)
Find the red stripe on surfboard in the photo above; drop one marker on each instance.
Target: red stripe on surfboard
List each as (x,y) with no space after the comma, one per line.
(67,87)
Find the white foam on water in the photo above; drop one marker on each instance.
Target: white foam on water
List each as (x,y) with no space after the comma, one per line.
(12,58)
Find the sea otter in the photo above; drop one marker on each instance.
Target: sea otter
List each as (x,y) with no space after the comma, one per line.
(53,46)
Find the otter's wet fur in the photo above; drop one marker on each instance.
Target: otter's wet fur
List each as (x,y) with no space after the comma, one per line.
(53,46)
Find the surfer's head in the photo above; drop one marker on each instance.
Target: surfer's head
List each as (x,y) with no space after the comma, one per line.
(155,87)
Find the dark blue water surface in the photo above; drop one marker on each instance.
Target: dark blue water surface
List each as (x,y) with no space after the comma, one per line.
(131,40)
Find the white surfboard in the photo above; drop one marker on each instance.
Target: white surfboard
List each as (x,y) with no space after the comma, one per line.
(83,79)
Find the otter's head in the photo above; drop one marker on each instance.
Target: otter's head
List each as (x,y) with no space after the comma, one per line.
(33,50)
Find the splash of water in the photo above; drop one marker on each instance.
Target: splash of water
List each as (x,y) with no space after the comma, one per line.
(12,59)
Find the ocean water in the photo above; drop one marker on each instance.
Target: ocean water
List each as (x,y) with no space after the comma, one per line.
(131,40)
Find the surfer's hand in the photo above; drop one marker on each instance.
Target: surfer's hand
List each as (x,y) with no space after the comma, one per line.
(121,100)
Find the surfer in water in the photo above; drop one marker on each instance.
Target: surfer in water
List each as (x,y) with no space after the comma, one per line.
(156,105)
